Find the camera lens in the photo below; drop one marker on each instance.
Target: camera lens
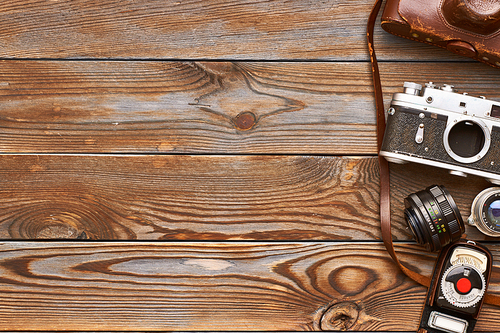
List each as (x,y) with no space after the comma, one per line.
(486,212)
(433,217)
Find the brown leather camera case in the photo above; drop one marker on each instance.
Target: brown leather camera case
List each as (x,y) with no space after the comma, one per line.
(468,27)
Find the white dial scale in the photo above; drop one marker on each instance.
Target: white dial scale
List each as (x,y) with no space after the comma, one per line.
(463,283)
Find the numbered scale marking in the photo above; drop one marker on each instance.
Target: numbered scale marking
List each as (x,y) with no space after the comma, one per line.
(463,284)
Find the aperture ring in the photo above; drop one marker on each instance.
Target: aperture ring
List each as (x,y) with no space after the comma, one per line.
(438,224)
(450,217)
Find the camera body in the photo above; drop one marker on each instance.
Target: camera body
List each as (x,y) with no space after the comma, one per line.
(439,127)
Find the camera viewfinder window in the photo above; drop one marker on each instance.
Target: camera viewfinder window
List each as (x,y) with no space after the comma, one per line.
(495,111)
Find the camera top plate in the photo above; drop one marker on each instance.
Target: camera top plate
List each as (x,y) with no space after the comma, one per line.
(446,100)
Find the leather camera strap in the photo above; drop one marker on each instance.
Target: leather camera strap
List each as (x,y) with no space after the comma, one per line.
(385,204)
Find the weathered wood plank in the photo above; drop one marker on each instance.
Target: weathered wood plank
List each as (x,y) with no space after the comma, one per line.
(208,197)
(183,197)
(214,107)
(206,286)
(156,29)
(182,107)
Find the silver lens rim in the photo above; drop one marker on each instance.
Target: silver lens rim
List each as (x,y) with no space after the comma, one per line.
(476,218)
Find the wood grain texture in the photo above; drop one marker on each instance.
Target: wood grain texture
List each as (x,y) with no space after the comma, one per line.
(214,29)
(183,197)
(207,286)
(208,197)
(183,107)
(200,286)
(181,125)
(206,107)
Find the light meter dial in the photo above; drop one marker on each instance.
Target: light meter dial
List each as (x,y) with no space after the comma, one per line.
(463,285)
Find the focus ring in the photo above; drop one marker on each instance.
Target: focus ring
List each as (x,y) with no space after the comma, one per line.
(447,211)
(445,208)
(454,227)
(436,192)
(435,240)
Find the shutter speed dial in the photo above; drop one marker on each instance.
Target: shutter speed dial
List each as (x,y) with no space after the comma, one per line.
(463,285)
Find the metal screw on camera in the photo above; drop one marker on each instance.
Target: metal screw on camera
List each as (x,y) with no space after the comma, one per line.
(391,111)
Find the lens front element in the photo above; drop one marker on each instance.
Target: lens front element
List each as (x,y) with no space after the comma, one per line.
(494,212)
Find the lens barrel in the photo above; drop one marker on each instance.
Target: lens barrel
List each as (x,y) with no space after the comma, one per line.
(433,217)
(485,212)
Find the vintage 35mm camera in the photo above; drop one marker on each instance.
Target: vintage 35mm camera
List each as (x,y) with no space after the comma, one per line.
(439,127)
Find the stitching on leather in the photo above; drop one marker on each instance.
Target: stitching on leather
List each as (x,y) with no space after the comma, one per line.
(444,48)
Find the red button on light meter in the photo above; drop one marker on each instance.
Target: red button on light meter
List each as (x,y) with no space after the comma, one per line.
(464,285)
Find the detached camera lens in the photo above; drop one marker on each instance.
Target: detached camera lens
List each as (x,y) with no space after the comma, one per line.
(485,212)
(433,217)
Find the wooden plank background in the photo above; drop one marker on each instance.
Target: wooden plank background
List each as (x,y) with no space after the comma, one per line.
(208,165)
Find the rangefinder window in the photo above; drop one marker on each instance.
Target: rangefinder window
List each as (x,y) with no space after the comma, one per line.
(495,111)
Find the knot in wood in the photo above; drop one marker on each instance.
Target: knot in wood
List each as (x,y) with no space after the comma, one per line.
(340,316)
(67,218)
(245,121)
